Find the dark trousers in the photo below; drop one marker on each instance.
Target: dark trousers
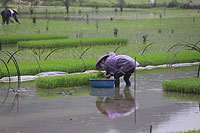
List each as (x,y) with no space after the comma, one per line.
(126,77)
(5,17)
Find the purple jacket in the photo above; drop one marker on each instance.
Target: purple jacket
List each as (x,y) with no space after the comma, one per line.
(115,64)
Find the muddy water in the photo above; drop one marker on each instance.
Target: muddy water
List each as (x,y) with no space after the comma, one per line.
(105,111)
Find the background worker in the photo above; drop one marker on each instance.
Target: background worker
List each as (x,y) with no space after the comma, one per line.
(7,13)
(117,66)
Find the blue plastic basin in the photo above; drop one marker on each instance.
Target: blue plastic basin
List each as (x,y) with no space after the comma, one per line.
(102,83)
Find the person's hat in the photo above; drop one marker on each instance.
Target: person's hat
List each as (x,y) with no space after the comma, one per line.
(99,60)
(15,10)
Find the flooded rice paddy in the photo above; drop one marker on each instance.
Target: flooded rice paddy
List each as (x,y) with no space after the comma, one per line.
(93,110)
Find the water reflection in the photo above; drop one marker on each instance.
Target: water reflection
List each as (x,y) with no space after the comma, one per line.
(182,97)
(10,95)
(62,92)
(9,100)
(118,105)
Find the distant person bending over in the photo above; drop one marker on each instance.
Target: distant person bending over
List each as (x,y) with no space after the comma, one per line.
(117,66)
(7,13)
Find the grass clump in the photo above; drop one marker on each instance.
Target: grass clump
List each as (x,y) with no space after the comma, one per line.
(27,37)
(64,81)
(59,43)
(188,85)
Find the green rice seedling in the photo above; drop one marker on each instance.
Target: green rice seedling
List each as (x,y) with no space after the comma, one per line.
(178,20)
(77,65)
(164,58)
(60,43)
(32,68)
(14,38)
(100,74)
(188,85)
(64,81)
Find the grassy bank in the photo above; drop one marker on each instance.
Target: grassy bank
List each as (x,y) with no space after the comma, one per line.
(188,85)
(77,65)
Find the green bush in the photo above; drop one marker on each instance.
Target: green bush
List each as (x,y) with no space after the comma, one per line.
(64,81)
(27,37)
(188,85)
(59,43)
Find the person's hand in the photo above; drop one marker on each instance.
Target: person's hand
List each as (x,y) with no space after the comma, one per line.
(108,76)
(19,23)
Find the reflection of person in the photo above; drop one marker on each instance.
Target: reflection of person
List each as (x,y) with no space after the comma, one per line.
(118,105)
(117,66)
(7,13)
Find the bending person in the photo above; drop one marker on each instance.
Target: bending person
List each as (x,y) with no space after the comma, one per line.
(117,66)
(7,13)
